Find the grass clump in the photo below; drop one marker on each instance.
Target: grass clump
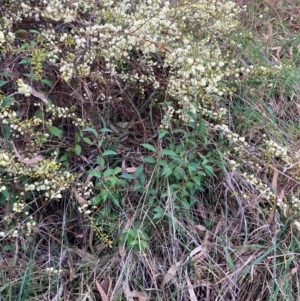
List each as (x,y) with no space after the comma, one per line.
(148,150)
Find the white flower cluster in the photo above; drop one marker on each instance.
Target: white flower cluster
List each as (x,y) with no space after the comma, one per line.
(264,190)
(2,38)
(6,36)
(274,150)
(87,191)
(67,71)
(52,271)
(5,159)
(295,202)
(297,224)
(232,137)
(23,88)
(122,32)
(57,10)
(18,206)
(30,225)
(55,183)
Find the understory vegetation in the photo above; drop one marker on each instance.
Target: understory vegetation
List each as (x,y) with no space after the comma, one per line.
(149,150)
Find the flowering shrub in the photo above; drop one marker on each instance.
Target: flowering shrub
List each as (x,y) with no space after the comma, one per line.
(65,59)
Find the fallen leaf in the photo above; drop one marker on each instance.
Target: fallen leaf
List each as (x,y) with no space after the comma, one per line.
(101,291)
(78,197)
(190,288)
(32,161)
(126,291)
(197,250)
(138,295)
(199,228)
(170,274)
(39,95)
(274,180)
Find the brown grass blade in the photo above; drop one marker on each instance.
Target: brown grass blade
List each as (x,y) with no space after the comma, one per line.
(101,292)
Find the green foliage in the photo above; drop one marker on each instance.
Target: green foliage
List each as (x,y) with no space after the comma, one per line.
(135,123)
(135,238)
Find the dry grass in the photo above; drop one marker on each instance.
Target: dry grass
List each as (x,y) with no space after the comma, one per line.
(225,247)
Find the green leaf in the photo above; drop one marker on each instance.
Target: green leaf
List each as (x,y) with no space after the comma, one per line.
(138,186)
(64,157)
(100,161)
(109,152)
(25,46)
(186,204)
(143,245)
(3,82)
(95,173)
(25,60)
(106,130)
(34,31)
(20,31)
(167,172)
(31,75)
(117,170)
(55,131)
(104,194)
(159,212)
(139,171)
(113,181)
(108,172)
(96,200)
(150,160)
(7,248)
(91,130)
(143,235)
(162,134)
(194,165)
(5,193)
(7,131)
(127,176)
(177,175)
(162,162)
(6,74)
(77,149)
(47,82)
(197,180)
(208,169)
(77,137)
(149,146)
(142,178)
(87,140)
(168,152)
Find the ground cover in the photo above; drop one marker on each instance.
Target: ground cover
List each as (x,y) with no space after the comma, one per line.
(149,150)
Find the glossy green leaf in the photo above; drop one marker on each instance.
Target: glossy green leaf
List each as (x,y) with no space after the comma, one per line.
(91,130)
(149,147)
(87,140)
(77,149)
(168,152)
(162,134)
(47,82)
(3,82)
(108,172)
(7,247)
(95,173)
(55,131)
(139,171)
(109,152)
(26,60)
(127,176)
(150,160)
